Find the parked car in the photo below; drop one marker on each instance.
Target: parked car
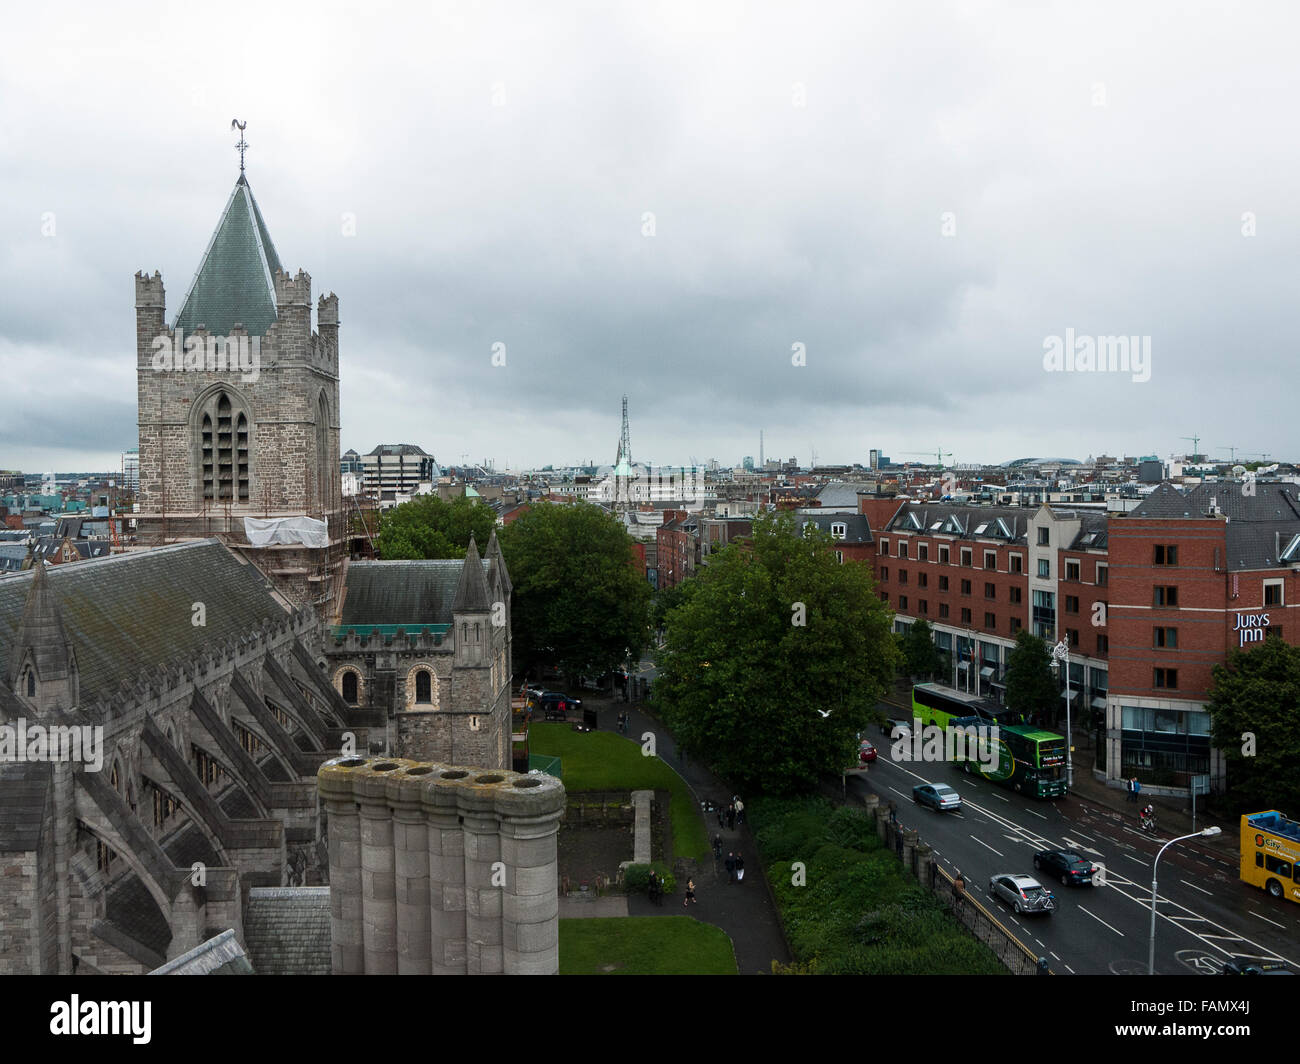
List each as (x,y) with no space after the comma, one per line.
(1065,865)
(866,751)
(938,796)
(1024,893)
(556,705)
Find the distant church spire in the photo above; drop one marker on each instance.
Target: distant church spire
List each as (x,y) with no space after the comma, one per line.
(235,123)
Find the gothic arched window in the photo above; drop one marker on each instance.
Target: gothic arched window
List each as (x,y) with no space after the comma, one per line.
(224,451)
(423,688)
(31,684)
(350,688)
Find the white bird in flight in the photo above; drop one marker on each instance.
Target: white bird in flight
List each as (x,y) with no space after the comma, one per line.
(825,712)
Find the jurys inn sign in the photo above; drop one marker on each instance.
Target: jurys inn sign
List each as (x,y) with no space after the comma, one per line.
(1250,627)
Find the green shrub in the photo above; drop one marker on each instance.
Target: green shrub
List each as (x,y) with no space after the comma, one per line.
(636,878)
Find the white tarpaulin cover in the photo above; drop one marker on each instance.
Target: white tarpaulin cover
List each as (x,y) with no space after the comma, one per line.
(307,531)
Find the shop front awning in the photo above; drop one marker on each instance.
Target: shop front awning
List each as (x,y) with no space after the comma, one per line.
(986,672)
(1071,695)
(1098,703)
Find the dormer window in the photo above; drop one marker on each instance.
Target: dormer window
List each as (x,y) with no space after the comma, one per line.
(839,529)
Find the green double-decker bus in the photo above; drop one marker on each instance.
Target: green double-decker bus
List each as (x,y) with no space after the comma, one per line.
(1029,759)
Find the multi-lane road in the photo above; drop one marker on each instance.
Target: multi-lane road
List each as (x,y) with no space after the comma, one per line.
(1204,914)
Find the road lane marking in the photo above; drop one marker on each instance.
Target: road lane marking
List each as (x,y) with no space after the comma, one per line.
(1069,969)
(986,845)
(1000,798)
(1054,956)
(1101,921)
(1032,813)
(1142,863)
(1195,887)
(1266,919)
(1083,836)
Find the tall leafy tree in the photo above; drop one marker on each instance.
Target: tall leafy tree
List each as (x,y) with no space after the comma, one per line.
(428,527)
(1255,713)
(580,599)
(776,659)
(921,658)
(1031,687)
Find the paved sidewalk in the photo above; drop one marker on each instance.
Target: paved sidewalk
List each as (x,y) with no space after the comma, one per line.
(743,910)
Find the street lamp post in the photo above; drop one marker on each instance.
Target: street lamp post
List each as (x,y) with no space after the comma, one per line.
(1151,951)
(1061,652)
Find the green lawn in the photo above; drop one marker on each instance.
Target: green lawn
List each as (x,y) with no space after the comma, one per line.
(603,761)
(644,945)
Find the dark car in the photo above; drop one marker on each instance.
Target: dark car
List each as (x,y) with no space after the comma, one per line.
(556,705)
(1253,966)
(1065,865)
(1024,893)
(938,796)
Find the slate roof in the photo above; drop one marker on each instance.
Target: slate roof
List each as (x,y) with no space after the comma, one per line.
(287,930)
(841,495)
(24,792)
(235,280)
(856,528)
(472,594)
(405,592)
(1260,526)
(132,611)
(221,955)
(962,521)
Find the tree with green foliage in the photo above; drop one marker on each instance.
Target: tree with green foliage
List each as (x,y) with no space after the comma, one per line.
(775,661)
(921,658)
(1255,720)
(581,601)
(1031,687)
(428,527)
(667,599)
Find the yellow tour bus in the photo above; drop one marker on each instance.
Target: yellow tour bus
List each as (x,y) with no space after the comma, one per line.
(1270,853)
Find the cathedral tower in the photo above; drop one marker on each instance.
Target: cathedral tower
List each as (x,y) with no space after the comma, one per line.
(239,409)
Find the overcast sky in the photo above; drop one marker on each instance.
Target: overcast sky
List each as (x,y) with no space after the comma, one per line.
(920,194)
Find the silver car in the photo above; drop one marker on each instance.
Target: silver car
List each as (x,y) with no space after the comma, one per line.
(1025,893)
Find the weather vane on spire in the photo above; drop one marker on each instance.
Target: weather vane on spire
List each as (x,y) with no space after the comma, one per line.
(235,123)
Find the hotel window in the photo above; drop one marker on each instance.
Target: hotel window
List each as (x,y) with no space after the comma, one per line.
(902,576)
(1103,575)
(923,552)
(1165,638)
(923,606)
(943,555)
(884,547)
(1072,636)
(1273,593)
(990,591)
(922,579)
(1013,594)
(902,548)
(965,587)
(1166,596)
(966,555)
(1166,678)
(902,602)
(943,611)
(1044,568)
(1015,625)
(1103,645)
(1071,603)
(1071,570)
(990,559)
(1166,554)
(1044,537)
(884,597)
(1017,563)
(990,621)
(884,572)
(965,616)
(839,530)
(943,583)
(839,556)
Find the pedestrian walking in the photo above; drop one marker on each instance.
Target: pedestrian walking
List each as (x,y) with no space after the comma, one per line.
(717,848)
(730,865)
(690,893)
(652,887)
(722,817)
(740,868)
(731,817)
(740,811)
(1128,786)
(1137,789)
